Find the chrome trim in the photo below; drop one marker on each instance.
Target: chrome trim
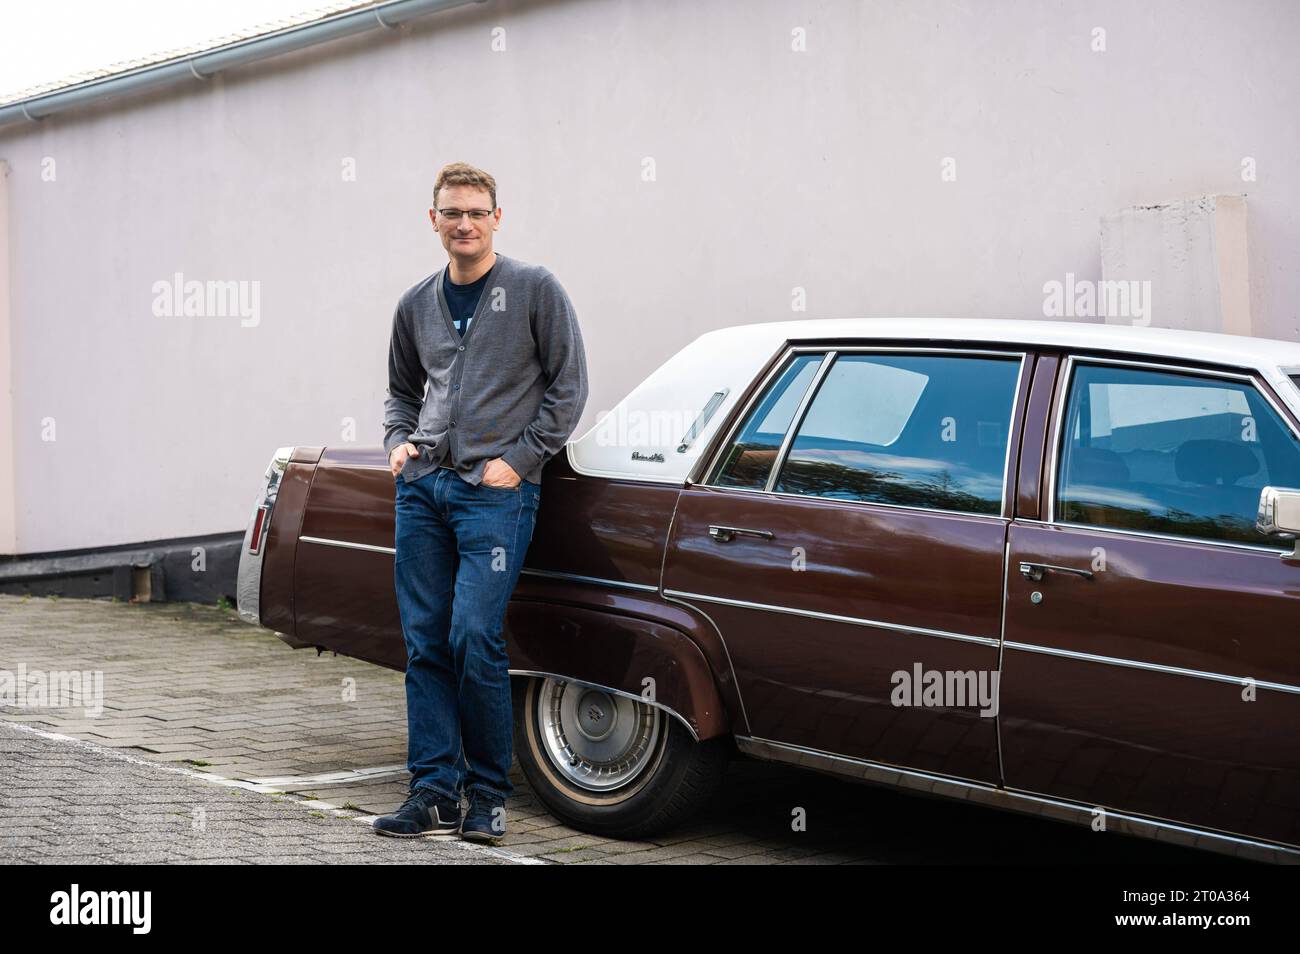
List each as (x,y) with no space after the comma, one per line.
(858,503)
(835,618)
(348,544)
(702,419)
(553,574)
(744,713)
(1266,518)
(617,692)
(1014,438)
(598,580)
(796,419)
(1152,667)
(1056,437)
(1222,544)
(830,354)
(1002,642)
(248,581)
(1036,571)
(880,773)
(726,534)
(628,742)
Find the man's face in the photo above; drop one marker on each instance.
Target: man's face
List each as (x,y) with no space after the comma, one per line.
(463,236)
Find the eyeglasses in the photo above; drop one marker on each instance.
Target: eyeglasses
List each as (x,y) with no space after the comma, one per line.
(455,215)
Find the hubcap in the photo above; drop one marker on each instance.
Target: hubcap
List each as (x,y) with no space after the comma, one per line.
(599,741)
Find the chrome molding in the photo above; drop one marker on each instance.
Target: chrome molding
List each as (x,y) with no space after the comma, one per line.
(553,574)
(702,419)
(349,545)
(1147,534)
(841,501)
(1013,438)
(616,692)
(823,366)
(598,580)
(1002,643)
(1152,667)
(835,618)
(735,682)
(880,773)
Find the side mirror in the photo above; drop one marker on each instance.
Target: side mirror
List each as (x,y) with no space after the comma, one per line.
(1279,515)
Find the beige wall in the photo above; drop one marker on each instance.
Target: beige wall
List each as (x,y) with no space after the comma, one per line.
(776,170)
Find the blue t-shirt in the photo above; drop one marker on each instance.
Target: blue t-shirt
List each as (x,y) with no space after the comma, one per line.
(463,299)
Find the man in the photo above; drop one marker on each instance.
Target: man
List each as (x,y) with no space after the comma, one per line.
(497,342)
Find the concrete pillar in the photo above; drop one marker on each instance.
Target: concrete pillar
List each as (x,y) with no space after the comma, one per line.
(1193,253)
(8,495)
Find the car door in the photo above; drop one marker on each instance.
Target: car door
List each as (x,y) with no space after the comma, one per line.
(847,540)
(1152,660)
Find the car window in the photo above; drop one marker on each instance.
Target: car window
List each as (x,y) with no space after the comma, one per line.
(907,429)
(749,459)
(1164,452)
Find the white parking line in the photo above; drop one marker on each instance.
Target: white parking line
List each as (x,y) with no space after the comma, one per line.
(330,778)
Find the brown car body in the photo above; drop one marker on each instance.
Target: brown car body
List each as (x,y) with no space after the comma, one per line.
(1120,696)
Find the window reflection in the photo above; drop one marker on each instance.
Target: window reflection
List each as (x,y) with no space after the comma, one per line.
(913,430)
(1162,452)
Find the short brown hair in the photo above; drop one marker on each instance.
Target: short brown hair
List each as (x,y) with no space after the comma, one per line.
(462,173)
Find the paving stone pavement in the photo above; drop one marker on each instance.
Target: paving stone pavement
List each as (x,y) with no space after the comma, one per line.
(194,688)
(78,804)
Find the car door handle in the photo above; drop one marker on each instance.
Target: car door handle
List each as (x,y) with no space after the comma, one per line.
(723,534)
(1035,571)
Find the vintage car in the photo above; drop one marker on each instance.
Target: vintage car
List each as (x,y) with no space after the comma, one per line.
(1042,566)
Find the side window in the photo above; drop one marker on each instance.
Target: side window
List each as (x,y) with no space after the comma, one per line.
(1164,452)
(749,459)
(907,429)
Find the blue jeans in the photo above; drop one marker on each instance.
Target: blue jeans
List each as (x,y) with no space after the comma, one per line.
(460,547)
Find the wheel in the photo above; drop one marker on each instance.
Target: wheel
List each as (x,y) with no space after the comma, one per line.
(608,764)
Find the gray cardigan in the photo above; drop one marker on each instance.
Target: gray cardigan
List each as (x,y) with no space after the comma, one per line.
(513,387)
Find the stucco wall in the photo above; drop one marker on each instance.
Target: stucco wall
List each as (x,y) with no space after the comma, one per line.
(775,170)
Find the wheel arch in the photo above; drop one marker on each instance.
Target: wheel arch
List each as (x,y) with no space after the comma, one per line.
(618,654)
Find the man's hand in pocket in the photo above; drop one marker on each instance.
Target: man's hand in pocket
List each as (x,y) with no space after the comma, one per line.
(398,457)
(497,473)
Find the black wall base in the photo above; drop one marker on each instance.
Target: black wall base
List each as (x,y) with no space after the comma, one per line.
(157,571)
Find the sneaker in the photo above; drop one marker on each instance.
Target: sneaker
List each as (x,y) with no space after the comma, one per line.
(424,813)
(485,820)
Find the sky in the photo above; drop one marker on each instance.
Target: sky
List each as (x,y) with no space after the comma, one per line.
(42,40)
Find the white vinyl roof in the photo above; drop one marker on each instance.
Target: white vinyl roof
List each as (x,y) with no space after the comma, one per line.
(642,437)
